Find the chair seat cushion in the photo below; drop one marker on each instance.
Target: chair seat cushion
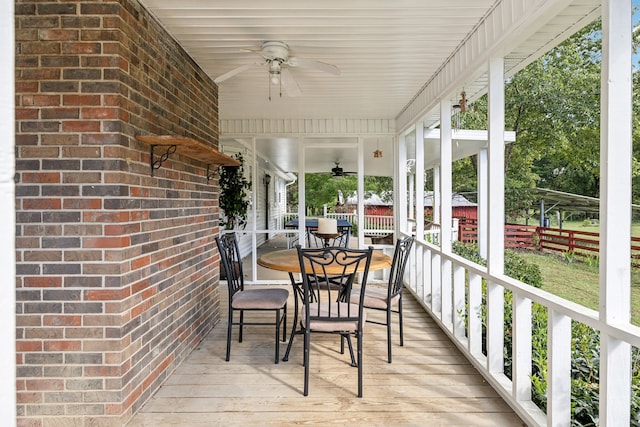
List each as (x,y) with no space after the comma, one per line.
(333,325)
(260,299)
(374,297)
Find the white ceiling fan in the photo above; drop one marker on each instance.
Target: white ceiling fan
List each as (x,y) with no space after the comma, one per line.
(278,62)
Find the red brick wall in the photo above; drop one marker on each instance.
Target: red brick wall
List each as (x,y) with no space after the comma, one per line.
(116,270)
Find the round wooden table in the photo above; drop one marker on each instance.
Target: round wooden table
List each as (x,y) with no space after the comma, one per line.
(287,260)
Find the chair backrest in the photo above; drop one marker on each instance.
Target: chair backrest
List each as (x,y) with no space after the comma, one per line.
(400,258)
(231,262)
(342,240)
(328,278)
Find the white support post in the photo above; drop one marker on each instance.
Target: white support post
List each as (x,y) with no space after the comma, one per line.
(474,316)
(302,201)
(521,351)
(419,179)
(483,202)
(361,211)
(495,253)
(615,213)
(253,208)
(400,184)
(7,225)
(458,302)
(559,370)
(446,184)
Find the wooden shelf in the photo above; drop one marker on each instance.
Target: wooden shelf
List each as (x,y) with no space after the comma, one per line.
(185,146)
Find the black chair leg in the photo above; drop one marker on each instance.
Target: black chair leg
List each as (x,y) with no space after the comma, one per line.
(277,336)
(241,325)
(353,359)
(229,325)
(359,365)
(293,330)
(400,320)
(389,334)
(307,344)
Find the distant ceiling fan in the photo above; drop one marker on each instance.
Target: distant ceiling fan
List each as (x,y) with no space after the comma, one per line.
(278,62)
(338,172)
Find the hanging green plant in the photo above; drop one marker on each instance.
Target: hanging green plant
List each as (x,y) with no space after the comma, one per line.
(234,200)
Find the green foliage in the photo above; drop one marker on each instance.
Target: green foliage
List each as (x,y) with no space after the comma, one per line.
(585,359)
(569,256)
(234,200)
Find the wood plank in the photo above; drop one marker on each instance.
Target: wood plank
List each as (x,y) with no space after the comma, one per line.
(428,383)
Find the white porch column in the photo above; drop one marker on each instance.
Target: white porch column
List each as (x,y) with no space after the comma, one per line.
(419,179)
(495,253)
(8,214)
(483,202)
(302,201)
(615,212)
(361,192)
(446,184)
(400,186)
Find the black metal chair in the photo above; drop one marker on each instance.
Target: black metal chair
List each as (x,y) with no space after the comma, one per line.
(329,310)
(251,299)
(342,240)
(385,298)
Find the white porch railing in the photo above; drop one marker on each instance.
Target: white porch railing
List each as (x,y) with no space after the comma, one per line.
(450,288)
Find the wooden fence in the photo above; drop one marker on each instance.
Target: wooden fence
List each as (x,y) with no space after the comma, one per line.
(573,243)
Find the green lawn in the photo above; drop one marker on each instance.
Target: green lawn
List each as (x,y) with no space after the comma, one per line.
(578,281)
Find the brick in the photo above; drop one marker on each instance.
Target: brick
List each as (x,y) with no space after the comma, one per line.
(61,320)
(42,204)
(81,100)
(58,61)
(57,9)
(39,152)
(60,113)
(81,74)
(80,48)
(84,307)
(42,307)
(61,295)
(26,114)
(28,346)
(80,126)
(40,100)
(50,256)
(67,345)
(61,139)
(99,113)
(92,204)
(87,384)
(59,86)
(62,216)
(107,294)
(38,47)
(80,21)
(61,190)
(41,177)
(60,35)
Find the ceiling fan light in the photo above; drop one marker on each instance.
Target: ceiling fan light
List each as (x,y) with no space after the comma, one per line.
(274,77)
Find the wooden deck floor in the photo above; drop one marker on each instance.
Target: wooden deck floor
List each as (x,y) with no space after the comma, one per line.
(429,383)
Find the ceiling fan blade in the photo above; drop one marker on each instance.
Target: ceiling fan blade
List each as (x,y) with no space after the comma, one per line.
(289,83)
(235,71)
(311,63)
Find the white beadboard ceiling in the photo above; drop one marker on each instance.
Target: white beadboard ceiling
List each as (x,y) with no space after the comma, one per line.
(386,50)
